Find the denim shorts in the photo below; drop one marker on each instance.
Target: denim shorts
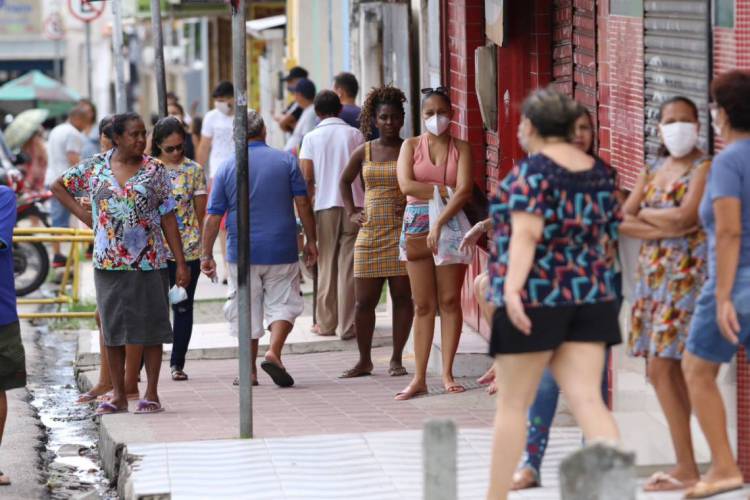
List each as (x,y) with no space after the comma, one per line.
(59,215)
(705,339)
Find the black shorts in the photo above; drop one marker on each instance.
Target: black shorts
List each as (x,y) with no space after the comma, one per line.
(551,326)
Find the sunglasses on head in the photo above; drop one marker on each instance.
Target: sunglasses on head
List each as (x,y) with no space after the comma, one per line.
(436,90)
(172,149)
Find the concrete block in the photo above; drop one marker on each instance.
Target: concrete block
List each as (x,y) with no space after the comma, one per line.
(598,472)
(439,445)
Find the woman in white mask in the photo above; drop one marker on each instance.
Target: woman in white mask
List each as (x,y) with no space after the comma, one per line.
(662,210)
(433,158)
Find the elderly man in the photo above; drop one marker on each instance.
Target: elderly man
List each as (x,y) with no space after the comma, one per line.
(276,187)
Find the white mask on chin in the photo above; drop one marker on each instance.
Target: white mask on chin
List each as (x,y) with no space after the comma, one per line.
(679,138)
(437,124)
(223,107)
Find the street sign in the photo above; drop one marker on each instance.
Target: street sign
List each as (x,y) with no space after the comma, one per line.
(85,10)
(53,27)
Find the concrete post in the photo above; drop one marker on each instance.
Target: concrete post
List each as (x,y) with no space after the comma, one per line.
(439,448)
(598,472)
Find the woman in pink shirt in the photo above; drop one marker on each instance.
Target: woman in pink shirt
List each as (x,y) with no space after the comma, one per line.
(433,159)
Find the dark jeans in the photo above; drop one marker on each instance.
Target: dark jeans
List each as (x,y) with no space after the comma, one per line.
(183,313)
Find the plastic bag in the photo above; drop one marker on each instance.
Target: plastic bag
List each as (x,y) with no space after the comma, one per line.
(452,233)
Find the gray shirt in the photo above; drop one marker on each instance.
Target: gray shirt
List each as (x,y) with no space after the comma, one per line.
(63,139)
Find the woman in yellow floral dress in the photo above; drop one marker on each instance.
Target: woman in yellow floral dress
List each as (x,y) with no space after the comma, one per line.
(662,210)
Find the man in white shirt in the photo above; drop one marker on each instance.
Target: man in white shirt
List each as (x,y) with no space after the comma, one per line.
(64,147)
(304,94)
(325,152)
(217,141)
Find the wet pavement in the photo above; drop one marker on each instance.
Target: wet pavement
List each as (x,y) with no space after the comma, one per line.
(69,453)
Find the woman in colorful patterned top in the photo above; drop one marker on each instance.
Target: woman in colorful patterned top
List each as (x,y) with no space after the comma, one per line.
(662,210)
(131,204)
(190,194)
(552,269)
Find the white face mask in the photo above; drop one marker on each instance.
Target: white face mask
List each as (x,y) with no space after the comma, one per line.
(437,124)
(679,138)
(223,107)
(715,122)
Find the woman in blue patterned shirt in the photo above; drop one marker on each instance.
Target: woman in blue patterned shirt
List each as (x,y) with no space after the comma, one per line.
(552,270)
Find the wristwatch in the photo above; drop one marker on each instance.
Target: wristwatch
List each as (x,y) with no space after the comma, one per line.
(206,258)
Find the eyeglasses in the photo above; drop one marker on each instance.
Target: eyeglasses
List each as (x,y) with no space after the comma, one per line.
(437,90)
(172,149)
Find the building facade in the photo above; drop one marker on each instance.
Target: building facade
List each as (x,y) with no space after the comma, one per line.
(620,58)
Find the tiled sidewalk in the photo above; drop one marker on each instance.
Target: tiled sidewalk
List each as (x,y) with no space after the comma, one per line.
(206,406)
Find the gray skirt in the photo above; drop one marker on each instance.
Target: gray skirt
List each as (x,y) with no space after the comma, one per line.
(134,307)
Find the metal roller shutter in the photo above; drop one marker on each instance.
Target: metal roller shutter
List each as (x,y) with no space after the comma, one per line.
(584,53)
(676,61)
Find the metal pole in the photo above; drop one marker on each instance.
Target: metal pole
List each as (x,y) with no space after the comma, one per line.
(121,97)
(205,69)
(239,67)
(57,63)
(89,85)
(161,77)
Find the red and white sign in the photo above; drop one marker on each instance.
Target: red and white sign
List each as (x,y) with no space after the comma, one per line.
(53,27)
(86,10)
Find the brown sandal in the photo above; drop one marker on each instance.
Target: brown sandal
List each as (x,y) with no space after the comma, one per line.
(4,480)
(525,479)
(704,489)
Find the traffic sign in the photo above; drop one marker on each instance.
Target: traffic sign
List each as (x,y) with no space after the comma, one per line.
(85,10)
(53,27)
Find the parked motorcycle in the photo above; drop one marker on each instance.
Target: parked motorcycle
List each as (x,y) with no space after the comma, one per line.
(30,260)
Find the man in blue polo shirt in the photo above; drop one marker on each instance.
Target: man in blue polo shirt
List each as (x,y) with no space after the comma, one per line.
(276,187)
(12,358)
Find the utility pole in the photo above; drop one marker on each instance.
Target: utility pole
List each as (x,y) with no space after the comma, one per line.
(239,70)
(121,98)
(89,84)
(161,77)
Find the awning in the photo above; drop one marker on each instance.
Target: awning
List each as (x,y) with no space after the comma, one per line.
(257,26)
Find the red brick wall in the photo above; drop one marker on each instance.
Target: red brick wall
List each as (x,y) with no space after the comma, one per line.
(621,105)
(465,32)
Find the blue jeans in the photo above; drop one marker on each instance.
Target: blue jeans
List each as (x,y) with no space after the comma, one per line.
(542,412)
(182,313)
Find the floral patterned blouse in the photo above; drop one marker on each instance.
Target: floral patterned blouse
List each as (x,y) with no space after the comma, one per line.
(127,219)
(188,181)
(575,258)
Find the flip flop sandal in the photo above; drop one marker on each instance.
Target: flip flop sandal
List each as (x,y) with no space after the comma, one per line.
(397,372)
(107,408)
(662,481)
(523,482)
(145,406)
(86,398)
(179,375)
(4,480)
(704,489)
(105,397)
(278,374)
(355,373)
(455,389)
(405,396)
(236,382)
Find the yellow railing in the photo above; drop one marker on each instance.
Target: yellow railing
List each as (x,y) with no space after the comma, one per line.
(71,274)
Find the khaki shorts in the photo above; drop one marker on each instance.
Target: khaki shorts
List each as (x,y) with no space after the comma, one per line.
(275,295)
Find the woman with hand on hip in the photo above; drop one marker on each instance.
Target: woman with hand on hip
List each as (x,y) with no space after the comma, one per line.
(565,322)
(190,193)
(433,159)
(376,250)
(662,210)
(721,320)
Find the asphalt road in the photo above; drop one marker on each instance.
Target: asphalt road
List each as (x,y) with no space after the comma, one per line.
(18,457)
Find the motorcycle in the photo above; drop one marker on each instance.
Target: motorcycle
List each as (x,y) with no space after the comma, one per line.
(30,260)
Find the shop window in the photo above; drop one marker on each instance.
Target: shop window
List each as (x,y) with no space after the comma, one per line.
(724,13)
(632,8)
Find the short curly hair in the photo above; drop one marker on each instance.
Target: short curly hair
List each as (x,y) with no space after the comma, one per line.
(731,91)
(379,96)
